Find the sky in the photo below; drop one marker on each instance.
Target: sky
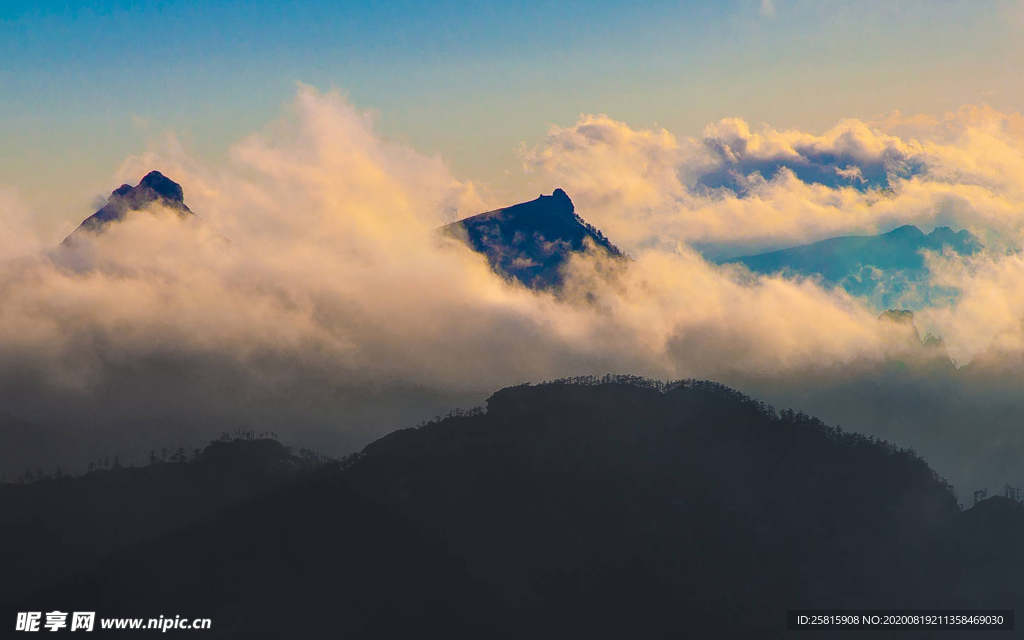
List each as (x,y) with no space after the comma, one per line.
(83,85)
(322,144)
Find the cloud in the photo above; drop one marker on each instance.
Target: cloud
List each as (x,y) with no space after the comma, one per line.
(988,317)
(315,297)
(850,154)
(334,280)
(740,190)
(737,191)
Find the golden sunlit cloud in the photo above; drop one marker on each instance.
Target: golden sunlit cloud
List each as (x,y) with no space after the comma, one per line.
(316,274)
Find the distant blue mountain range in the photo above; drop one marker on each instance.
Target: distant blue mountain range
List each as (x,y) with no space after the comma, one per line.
(888,268)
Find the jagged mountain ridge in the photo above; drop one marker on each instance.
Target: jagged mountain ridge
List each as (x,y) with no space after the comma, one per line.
(154,188)
(888,265)
(531,241)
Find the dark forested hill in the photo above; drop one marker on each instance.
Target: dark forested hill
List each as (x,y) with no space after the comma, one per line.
(616,508)
(530,242)
(26,445)
(61,525)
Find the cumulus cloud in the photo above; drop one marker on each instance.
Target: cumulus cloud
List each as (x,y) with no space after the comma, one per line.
(316,272)
(742,190)
(988,316)
(314,295)
(738,189)
(735,191)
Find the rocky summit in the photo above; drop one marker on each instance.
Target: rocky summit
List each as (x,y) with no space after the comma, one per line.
(154,188)
(530,242)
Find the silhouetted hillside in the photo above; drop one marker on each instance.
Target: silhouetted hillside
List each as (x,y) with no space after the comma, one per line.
(25,445)
(530,242)
(987,538)
(585,509)
(863,264)
(67,524)
(154,188)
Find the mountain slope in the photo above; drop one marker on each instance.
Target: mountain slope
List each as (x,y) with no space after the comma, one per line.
(531,241)
(890,263)
(25,445)
(65,525)
(592,509)
(154,188)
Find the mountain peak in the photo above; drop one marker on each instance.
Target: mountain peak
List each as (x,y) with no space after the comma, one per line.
(531,241)
(898,316)
(907,230)
(963,241)
(122,191)
(560,195)
(163,186)
(154,187)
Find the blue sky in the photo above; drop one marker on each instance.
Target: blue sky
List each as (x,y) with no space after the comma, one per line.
(84,85)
